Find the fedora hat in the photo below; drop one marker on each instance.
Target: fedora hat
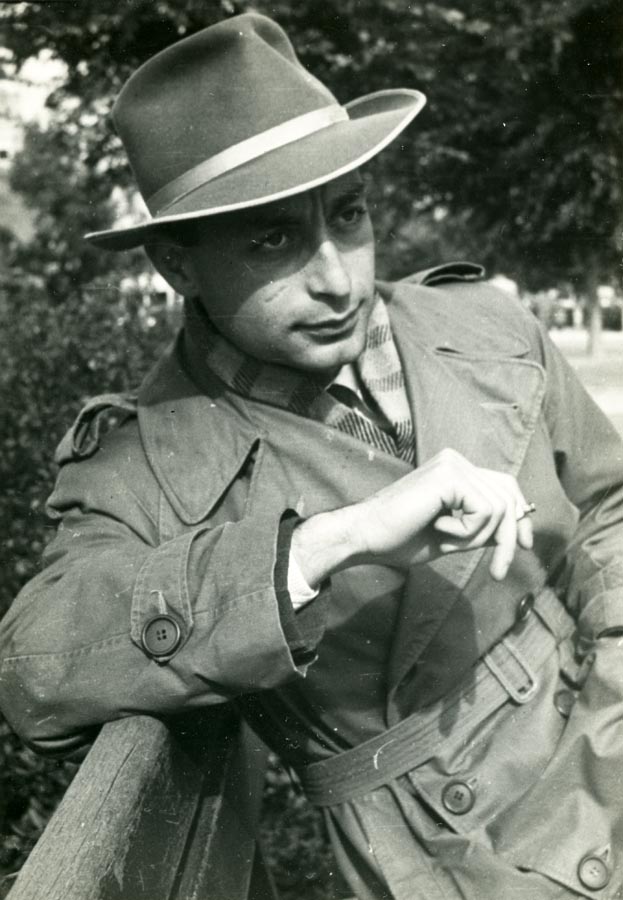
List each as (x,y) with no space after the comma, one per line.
(228,118)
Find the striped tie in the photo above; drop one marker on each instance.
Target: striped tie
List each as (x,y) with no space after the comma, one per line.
(376,411)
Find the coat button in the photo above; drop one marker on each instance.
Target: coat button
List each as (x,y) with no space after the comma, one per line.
(563,701)
(525,607)
(593,873)
(458,797)
(161,635)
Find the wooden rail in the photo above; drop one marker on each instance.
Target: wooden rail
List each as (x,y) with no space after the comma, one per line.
(161,812)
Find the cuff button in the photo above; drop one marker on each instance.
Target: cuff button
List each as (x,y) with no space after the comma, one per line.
(593,873)
(161,635)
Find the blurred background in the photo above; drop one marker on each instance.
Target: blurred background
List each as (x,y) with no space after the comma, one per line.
(516,163)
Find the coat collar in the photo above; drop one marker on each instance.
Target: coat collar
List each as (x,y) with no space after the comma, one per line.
(463,371)
(180,426)
(198,439)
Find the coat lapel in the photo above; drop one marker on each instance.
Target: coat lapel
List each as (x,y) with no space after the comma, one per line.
(196,443)
(484,406)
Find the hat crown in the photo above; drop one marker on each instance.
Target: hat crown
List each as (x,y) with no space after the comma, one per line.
(228,119)
(208,92)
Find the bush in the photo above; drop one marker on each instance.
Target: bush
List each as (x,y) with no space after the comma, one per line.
(295,843)
(54,356)
(30,789)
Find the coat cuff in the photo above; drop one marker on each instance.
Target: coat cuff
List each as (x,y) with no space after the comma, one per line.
(206,603)
(303,628)
(603,612)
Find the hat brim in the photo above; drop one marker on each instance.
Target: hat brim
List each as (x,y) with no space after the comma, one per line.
(374,121)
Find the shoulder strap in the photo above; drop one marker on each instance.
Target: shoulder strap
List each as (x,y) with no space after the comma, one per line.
(446,273)
(83,438)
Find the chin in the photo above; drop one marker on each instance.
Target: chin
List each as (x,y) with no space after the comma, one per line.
(331,358)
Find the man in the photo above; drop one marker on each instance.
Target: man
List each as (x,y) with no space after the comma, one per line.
(276,520)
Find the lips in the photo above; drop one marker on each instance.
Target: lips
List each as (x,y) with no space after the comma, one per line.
(334,326)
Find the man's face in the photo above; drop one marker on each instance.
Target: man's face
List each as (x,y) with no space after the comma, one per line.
(291,282)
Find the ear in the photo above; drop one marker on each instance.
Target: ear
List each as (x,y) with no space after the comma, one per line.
(172,262)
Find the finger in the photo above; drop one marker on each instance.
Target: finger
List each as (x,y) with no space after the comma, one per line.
(525,528)
(512,493)
(479,507)
(525,534)
(489,501)
(505,539)
(527,510)
(471,526)
(495,497)
(473,496)
(488,506)
(465,527)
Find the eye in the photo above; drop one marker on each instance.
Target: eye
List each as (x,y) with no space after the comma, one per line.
(352,215)
(272,240)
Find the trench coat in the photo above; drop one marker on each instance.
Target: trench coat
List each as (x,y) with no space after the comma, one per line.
(158,595)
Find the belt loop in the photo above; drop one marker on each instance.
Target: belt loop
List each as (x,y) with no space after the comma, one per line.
(512,671)
(506,671)
(553,613)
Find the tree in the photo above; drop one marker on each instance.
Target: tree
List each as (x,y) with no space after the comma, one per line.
(542,173)
(517,160)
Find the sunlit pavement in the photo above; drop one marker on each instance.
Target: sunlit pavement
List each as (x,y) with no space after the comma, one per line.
(601,375)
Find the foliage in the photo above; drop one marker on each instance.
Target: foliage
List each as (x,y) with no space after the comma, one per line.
(294,842)
(545,165)
(68,200)
(517,161)
(54,356)
(30,788)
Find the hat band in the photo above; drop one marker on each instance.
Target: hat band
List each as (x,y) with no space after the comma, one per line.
(243,152)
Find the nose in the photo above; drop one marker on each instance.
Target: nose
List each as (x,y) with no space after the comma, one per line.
(328,277)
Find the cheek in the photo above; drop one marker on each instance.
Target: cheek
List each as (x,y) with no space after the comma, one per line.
(361,266)
(260,320)
(366,259)
(273,307)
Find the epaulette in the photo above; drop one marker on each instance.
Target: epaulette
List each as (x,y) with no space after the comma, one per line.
(83,438)
(447,273)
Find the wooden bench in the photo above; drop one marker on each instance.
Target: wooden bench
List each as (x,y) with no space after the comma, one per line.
(161,812)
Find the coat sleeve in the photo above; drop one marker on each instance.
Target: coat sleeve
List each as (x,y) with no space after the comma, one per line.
(118,623)
(581,787)
(588,453)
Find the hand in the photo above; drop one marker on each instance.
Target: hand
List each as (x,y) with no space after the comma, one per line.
(444,506)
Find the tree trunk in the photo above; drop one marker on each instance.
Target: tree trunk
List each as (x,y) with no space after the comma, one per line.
(594,344)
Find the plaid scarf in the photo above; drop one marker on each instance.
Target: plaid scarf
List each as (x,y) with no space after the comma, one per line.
(378,371)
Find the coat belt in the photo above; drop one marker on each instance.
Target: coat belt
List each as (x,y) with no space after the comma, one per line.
(509,671)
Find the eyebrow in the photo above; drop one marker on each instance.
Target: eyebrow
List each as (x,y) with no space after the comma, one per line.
(350,193)
(262,218)
(275,218)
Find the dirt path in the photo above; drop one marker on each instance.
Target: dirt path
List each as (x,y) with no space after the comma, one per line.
(602,376)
